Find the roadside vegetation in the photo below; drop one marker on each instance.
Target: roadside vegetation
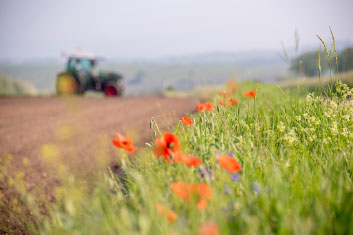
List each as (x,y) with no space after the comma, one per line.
(269,161)
(13,87)
(253,159)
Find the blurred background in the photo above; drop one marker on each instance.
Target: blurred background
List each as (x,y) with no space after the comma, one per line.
(169,44)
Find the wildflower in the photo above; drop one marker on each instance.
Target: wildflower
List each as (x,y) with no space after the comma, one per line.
(232,102)
(250,94)
(222,103)
(124,143)
(187,121)
(202,191)
(182,190)
(208,170)
(235,177)
(200,107)
(187,159)
(166,146)
(232,86)
(224,94)
(209,228)
(208,106)
(202,174)
(164,212)
(229,164)
(205,172)
(281,127)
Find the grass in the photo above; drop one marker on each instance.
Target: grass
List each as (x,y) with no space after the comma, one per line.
(296,177)
(14,87)
(313,84)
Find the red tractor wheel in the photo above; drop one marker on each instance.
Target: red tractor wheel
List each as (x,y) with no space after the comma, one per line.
(110,90)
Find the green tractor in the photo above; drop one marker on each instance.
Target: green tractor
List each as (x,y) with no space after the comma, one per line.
(80,77)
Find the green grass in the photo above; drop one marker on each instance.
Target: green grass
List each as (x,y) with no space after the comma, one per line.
(313,84)
(296,155)
(14,87)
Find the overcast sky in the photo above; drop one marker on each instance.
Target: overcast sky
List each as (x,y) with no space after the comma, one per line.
(155,28)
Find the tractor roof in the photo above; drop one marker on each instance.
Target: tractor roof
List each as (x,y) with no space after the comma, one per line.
(78,53)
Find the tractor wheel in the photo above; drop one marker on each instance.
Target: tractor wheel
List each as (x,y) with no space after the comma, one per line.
(66,84)
(112,89)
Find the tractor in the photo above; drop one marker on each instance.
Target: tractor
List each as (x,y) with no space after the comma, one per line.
(80,76)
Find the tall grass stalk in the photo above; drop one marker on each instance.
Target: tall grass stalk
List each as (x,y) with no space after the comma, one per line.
(329,61)
(334,51)
(319,68)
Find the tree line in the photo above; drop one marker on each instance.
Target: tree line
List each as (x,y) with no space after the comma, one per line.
(307,63)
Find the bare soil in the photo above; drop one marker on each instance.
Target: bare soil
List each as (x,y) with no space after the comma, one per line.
(77,131)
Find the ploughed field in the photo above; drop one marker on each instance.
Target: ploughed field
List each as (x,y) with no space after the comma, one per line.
(78,129)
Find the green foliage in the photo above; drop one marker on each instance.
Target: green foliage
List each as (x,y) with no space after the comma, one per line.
(306,64)
(296,178)
(346,60)
(11,87)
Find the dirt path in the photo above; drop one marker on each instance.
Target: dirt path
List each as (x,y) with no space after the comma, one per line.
(78,131)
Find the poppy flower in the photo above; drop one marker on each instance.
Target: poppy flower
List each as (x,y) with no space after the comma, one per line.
(209,228)
(232,86)
(200,107)
(182,190)
(124,143)
(209,106)
(187,121)
(232,102)
(187,159)
(164,212)
(202,191)
(192,161)
(166,146)
(222,103)
(250,94)
(228,163)
(224,94)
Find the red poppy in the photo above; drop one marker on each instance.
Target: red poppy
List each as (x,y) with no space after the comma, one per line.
(182,190)
(222,103)
(164,212)
(124,143)
(191,161)
(187,121)
(187,159)
(200,107)
(209,228)
(202,191)
(250,94)
(232,102)
(232,86)
(224,94)
(166,146)
(209,106)
(230,164)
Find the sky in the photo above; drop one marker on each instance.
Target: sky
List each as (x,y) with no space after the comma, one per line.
(159,28)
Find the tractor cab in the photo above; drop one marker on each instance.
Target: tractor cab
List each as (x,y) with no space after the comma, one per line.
(80,64)
(80,76)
